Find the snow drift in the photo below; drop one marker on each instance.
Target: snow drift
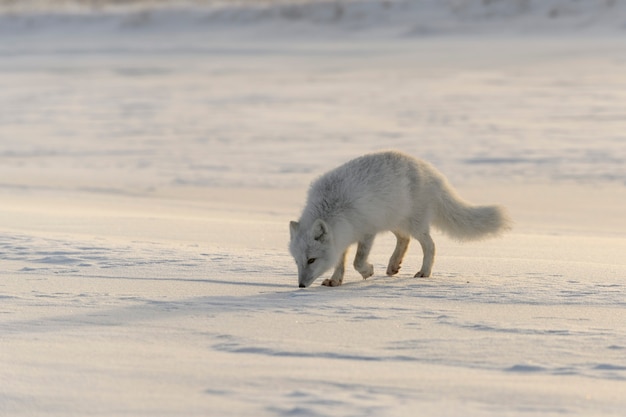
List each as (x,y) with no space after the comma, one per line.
(325,17)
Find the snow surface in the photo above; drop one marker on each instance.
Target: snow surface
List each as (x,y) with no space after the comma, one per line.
(148,174)
(306,18)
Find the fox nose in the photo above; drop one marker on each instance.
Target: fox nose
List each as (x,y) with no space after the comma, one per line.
(302,286)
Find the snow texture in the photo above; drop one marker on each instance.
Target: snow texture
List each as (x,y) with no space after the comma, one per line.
(319,17)
(152,156)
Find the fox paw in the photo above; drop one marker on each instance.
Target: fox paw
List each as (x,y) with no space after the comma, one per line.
(393,269)
(330,283)
(367,271)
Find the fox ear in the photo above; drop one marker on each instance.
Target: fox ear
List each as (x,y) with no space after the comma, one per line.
(293,228)
(319,230)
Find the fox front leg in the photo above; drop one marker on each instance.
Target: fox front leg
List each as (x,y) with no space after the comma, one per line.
(365,268)
(337,278)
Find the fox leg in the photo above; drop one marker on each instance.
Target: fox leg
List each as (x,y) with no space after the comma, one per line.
(337,278)
(395,261)
(365,268)
(428,247)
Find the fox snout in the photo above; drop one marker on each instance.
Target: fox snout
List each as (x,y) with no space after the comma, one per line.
(305,281)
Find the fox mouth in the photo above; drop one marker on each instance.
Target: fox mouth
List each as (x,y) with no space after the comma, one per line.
(303,283)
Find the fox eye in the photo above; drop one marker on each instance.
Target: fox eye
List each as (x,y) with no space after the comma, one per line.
(310,261)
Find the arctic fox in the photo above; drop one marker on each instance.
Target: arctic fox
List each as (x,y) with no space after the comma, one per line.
(385,191)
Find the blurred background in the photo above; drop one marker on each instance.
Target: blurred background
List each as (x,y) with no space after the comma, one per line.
(146,96)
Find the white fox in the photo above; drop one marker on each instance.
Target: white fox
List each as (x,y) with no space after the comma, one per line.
(385,191)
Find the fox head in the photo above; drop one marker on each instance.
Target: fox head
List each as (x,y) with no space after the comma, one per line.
(313,249)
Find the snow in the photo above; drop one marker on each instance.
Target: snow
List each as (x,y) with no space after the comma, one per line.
(148,174)
(125,306)
(306,18)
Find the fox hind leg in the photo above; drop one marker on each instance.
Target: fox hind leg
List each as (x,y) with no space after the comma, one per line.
(365,268)
(428,247)
(395,261)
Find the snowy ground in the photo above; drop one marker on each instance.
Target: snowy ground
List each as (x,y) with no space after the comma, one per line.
(146,183)
(128,306)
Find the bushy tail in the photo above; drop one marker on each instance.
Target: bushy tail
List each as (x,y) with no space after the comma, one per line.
(460,220)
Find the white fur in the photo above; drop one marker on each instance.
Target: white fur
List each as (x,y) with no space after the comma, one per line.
(386,191)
